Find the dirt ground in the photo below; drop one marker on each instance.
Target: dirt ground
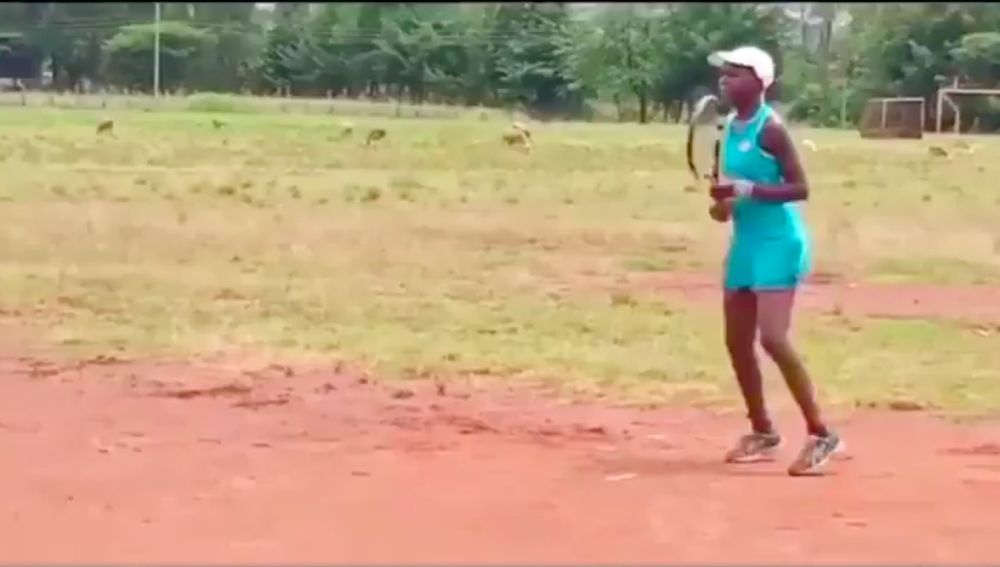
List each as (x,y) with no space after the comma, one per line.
(232,459)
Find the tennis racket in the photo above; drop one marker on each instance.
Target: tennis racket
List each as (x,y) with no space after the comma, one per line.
(704,133)
(703,147)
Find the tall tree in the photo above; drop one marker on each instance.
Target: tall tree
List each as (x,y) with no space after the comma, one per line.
(273,69)
(531,68)
(620,54)
(693,31)
(181,51)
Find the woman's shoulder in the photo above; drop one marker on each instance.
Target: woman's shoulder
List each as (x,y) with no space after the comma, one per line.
(773,123)
(774,135)
(772,118)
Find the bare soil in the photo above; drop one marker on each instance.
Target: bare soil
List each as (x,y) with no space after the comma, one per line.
(228,459)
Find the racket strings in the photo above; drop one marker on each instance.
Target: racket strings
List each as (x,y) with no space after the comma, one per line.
(704,132)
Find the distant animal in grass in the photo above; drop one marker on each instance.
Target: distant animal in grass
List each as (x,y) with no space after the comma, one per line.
(218,124)
(518,136)
(106,126)
(375,135)
(515,139)
(346,129)
(937,151)
(963,147)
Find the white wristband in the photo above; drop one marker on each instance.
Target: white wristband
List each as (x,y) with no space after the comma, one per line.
(742,188)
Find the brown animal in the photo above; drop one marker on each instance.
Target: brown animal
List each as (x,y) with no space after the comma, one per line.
(516,139)
(518,136)
(375,135)
(106,126)
(937,151)
(522,129)
(346,129)
(218,124)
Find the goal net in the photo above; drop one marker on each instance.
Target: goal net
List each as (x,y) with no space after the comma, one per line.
(893,118)
(968,110)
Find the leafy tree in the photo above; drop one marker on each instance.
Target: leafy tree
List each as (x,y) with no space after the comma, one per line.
(693,31)
(71,36)
(275,69)
(619,55)
(977,58)
(531,67)
(131,50)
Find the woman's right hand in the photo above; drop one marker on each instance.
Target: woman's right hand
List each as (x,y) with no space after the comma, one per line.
(721,210)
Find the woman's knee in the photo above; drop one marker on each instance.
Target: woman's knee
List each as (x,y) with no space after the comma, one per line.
(774,320)
(776,345)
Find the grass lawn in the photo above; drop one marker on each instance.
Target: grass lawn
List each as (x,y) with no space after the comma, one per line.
(440,250)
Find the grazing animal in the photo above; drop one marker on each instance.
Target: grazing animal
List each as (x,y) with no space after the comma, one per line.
(518,136)
(515,139)
(218,123)
(346,129)
(375,135)
(106,126)
(937,151)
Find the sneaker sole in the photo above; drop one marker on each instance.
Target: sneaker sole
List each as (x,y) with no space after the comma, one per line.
(767,456)
(817,470)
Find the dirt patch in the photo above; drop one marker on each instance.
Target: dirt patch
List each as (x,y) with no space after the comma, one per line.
(979,304)
(344,469)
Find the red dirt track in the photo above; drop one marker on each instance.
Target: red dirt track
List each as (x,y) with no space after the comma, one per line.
(212,461)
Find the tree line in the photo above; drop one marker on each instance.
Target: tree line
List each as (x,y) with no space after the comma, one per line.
(644,60)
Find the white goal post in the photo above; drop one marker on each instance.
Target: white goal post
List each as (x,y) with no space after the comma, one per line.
(885,102)
(944,97)
(893,117)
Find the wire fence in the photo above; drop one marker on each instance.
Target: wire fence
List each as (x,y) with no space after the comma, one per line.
(232,103)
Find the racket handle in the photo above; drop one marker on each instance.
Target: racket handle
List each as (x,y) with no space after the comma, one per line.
(716,174)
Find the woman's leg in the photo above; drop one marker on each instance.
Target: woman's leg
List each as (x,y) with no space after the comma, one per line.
(740,307)
(774,310)
(774,315)
(741,330)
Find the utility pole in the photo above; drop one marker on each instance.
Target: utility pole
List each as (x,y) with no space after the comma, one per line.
(156,54)
(843,104)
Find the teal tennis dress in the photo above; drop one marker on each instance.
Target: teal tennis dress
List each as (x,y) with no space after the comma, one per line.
(770,247)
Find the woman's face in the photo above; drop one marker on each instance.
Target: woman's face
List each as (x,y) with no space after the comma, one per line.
(739,85)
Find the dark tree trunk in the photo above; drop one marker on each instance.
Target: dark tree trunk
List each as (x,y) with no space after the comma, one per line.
(643,105)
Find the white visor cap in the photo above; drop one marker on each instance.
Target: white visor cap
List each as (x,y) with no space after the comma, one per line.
(748,56)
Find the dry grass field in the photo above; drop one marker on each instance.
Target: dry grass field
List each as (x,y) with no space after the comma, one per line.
(439,249)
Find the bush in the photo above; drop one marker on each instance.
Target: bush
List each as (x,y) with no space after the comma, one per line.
(818,107)
(213,102)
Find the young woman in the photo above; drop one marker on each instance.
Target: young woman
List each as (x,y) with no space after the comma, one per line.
(760,187)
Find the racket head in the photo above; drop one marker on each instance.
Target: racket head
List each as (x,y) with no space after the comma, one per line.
(703,137)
